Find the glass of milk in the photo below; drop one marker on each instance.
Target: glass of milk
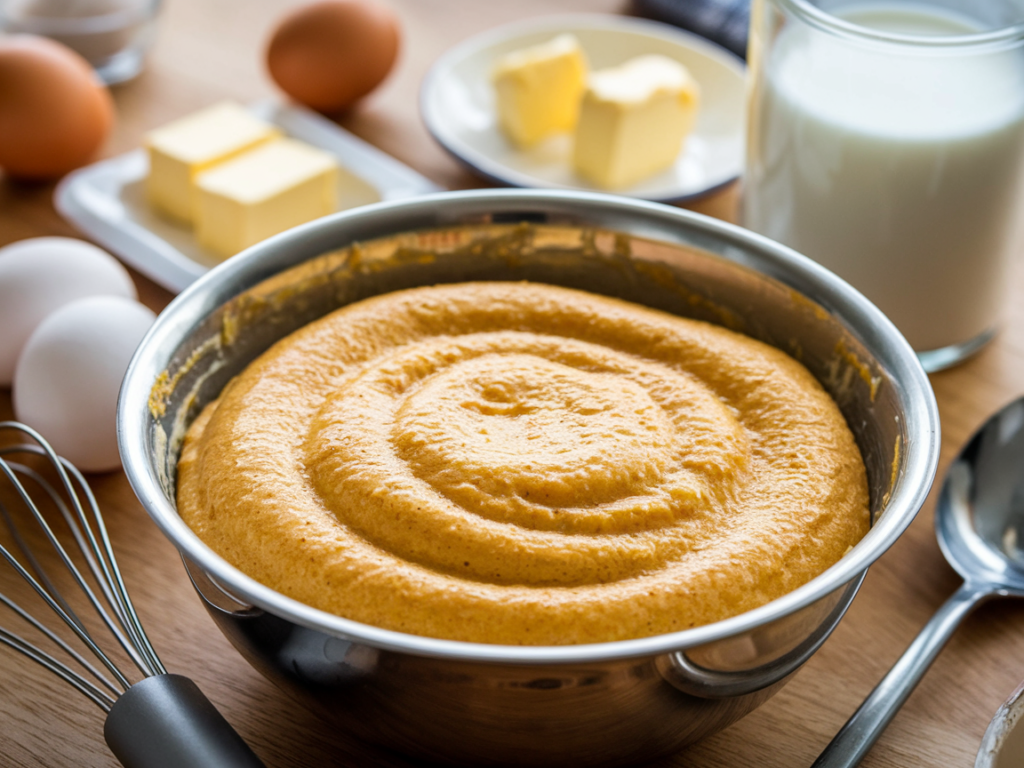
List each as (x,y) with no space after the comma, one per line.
(886,142)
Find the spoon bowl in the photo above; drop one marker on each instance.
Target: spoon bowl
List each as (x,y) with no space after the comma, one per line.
(979,524)
(979,520)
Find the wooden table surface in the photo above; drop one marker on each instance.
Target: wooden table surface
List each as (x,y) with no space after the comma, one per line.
(208,50)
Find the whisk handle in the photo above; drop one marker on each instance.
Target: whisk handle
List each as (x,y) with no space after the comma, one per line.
(166,722)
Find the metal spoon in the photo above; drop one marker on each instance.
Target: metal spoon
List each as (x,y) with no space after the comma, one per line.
(979,522)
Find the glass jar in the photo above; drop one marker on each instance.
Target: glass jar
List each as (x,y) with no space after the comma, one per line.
(886,142)
(112,35)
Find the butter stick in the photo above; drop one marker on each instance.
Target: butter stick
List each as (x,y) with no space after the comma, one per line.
(188,146)
(633,120)
(539,88)
(267,190)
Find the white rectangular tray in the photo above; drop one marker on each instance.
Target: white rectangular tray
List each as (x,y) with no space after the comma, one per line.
(106,200)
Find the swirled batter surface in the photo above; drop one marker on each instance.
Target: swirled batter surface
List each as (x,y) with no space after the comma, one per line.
(526,464)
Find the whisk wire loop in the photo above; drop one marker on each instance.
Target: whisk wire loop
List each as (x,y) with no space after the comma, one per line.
(98,697)
(26,551)
(116,597)
(116,593)
(72,623)
(58,641)
(58,502)
(98,554)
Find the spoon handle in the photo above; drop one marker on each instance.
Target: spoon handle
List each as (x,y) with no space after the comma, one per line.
(864,727)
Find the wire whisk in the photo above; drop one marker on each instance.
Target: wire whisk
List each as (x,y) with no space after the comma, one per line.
(160,721)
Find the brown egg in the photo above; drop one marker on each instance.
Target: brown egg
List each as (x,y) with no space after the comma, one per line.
(54,112)
(329,54)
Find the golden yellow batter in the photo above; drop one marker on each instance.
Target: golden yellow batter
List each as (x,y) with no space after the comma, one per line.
(520,463)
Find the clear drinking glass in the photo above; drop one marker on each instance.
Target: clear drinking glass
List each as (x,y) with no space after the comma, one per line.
(886,141)
(112,35)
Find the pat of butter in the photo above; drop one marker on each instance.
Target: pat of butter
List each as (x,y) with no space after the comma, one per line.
(186,147)
(633,120)
(539,89)
(267,190)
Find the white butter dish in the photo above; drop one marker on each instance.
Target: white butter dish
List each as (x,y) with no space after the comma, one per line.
(458,105)
(106,200)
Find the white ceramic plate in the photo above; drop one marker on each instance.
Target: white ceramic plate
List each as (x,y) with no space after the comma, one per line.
(106,200)
(458,105)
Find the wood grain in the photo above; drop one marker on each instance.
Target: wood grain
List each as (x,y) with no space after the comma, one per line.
(209,50)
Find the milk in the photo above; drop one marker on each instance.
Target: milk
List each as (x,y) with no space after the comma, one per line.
(897,167)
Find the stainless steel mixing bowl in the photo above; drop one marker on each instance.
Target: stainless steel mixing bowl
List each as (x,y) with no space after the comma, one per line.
(599,704)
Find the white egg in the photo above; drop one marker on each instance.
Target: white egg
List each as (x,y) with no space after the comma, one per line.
(39,275)
(69,375)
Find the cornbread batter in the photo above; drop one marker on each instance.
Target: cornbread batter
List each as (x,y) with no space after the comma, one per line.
(524,464)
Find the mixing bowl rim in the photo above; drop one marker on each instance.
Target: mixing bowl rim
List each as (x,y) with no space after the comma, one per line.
(921,420)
